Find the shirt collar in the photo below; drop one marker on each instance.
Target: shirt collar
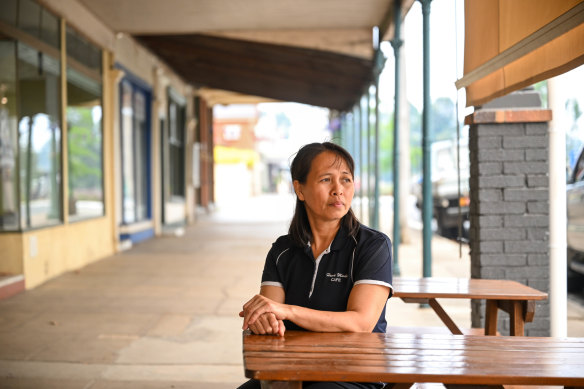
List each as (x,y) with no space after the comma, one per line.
(338,242)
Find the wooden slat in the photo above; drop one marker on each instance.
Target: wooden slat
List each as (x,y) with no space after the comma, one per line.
(403,359)
(382,341)
(421,330)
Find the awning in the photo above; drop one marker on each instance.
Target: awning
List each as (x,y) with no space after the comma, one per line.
(511,44)
(287,73)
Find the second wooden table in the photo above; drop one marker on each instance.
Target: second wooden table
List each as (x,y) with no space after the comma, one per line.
(510,296)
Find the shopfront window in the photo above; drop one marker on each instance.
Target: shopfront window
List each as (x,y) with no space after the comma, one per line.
(141,135)
(176,144)
(84,128)
(9,209)
(135,152)
(39,135)
(31,175)
(84,142)
(30,117)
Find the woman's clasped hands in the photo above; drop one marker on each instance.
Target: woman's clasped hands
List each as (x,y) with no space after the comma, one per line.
(264,316)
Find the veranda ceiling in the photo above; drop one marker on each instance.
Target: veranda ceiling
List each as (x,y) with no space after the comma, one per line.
(313,52)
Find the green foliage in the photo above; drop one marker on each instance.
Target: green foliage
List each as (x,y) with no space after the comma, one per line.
(443,119)
(542,88)
(386,145)
(442,126)
(574,111)
(85,148)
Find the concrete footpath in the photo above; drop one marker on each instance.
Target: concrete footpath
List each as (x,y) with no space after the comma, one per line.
(164,313)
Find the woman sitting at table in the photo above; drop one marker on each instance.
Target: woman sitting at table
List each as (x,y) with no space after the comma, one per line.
(329,273)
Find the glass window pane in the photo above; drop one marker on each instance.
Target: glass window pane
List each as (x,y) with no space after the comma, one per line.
(8,137)
(8,11)
(83,51)
(141,156)
(84,141)
(39,137)
(49,29)
(128,192)
(29,17)
(176,121)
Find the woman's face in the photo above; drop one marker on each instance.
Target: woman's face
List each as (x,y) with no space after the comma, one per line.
(328,190)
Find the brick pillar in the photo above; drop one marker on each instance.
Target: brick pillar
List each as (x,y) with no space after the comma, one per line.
(509,223)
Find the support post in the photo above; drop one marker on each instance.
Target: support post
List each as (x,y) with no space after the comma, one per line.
(360,144)
(558,218)
(426,147)
(370,199)
(376,152)
(349,131)
(355,141)
(396,44)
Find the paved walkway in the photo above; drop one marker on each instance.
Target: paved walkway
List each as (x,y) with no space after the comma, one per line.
(164,314)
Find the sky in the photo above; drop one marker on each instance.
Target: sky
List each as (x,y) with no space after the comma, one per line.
(446,35)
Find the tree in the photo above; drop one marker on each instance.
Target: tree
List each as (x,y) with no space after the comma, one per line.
(443,119)
(84,142)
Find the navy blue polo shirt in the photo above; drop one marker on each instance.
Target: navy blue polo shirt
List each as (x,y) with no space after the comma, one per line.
(325,283)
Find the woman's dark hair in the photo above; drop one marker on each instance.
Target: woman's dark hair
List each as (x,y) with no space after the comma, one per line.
(300,230)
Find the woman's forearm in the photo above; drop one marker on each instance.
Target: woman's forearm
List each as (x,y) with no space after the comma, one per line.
(327,321)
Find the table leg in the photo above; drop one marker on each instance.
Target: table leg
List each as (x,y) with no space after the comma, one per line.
(447,320)
(517,319)
(491,317)
(281,384)
(528,311)
(517,313)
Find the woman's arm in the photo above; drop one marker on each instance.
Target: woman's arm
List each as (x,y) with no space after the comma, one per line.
(366,302)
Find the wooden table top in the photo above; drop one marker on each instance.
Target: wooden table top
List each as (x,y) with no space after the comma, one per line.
(434,287)
(408,358)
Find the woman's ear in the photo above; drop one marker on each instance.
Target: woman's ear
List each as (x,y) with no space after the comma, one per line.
(298,190)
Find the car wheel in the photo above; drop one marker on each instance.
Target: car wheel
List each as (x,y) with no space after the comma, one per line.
(575,280)
(441,230)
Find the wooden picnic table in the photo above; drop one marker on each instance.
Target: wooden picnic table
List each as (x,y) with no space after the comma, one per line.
(404,359)
(516,299)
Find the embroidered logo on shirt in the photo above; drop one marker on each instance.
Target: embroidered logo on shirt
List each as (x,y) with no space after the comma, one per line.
(336,277)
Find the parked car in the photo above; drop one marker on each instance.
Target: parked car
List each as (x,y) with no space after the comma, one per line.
(575,227)
(450,208)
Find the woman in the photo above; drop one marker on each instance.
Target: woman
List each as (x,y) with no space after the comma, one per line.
(330,273)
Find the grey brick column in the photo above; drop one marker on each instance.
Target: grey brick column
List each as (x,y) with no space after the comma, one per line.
(509,220)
